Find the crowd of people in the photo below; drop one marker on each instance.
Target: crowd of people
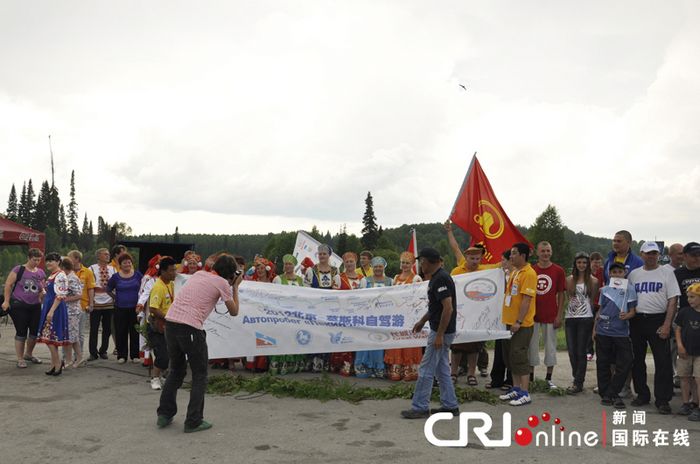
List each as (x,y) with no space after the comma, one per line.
(612,310)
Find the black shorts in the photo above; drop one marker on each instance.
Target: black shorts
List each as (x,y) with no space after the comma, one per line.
(26,318)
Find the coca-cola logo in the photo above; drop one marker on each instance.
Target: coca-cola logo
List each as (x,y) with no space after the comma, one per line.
(29,237)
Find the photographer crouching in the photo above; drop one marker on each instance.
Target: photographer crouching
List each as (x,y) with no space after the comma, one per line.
(187,340)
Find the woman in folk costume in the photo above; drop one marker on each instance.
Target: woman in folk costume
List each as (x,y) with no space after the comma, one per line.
(321,276)
(347,280)
(53,325)
(371,363)
(402,363)
(287,363)
(264,272)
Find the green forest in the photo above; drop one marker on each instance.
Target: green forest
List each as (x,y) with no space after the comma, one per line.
(45,212)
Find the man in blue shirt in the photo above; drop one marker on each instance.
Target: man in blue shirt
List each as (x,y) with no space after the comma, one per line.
(622,253)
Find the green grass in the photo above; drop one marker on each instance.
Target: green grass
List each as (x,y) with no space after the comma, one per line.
(325,388)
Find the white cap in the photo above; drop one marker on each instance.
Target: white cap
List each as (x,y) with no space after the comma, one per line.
(650,246)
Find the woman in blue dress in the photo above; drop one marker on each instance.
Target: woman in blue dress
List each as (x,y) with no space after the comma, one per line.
(53,325)
(371,363)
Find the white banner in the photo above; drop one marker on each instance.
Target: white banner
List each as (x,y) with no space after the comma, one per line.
(307,247)
(281,319)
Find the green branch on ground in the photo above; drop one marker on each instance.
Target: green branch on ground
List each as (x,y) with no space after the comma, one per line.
(541,386)
(325,388)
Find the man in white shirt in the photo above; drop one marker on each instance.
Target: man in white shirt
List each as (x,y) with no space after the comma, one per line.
(657,295)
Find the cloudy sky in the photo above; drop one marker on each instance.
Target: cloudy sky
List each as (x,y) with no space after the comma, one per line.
(255,116)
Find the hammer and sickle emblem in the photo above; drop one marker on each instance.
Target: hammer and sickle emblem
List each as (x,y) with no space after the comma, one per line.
(490,222)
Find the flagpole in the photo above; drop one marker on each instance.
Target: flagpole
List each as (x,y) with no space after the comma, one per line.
(464,183)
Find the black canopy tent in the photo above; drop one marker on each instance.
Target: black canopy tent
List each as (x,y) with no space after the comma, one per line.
(148,250)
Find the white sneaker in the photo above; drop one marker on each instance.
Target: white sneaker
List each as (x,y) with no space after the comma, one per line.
(551,385)
(522,399)
(121,361)
(155,383)
(511,395)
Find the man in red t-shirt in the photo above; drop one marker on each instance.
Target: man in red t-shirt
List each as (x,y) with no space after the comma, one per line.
(551,285)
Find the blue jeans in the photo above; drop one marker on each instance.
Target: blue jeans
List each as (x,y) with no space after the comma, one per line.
(435,363)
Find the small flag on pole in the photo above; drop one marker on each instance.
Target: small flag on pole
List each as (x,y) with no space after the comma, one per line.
(478,212)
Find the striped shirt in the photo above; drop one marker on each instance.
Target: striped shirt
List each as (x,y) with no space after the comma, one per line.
(197,299)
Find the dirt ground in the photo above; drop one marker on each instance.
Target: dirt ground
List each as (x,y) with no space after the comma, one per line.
(105,413)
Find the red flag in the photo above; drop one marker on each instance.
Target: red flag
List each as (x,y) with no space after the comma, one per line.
(478,212)
(413,248)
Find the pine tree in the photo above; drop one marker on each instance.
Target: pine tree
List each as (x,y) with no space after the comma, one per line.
(370,233)
(176,235)
(85,235)
(549,227)
(41,209)
(12,211)
(54,209)
(73,231)
(22,206)
(102,230)
(62,226)
(30,205)
(342,245)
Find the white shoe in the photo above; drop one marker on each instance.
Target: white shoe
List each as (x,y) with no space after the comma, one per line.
(551,385)
(511,395)
(136,360)
(155,383)
(121,361)
(522,399)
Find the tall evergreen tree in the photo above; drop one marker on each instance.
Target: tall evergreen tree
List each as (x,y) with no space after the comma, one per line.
(41,209)
(54,209)
(342,245)
(12,210)
(370,232)
(549,227)
(22,206)
(85,235)
(62,226)
(176,235)
(29,205)
(73,231)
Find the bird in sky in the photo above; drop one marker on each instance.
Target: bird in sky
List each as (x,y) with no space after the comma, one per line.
(463,86)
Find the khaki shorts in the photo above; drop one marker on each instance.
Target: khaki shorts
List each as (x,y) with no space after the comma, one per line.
(516,349)
(688,367)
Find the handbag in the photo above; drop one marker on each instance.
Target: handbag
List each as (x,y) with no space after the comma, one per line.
(13,301)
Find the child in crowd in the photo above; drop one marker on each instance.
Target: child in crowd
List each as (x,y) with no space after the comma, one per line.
(618,301)
(688,342)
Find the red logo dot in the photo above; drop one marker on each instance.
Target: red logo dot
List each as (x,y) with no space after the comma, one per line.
(546,416)
(523,436)
(532,421)
(562,428)
(557,421)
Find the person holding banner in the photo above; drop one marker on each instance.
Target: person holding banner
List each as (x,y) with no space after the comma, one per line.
(403,362)
(186,338)
(287,363)
(321,276)
(370,363)
(442,316)
(265,271)
(349,280)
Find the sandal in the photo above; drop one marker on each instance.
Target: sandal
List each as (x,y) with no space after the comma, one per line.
(471,381)
(22,364)
(33,359)
(454,379)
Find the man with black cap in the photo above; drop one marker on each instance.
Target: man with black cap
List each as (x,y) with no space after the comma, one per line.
(442,315)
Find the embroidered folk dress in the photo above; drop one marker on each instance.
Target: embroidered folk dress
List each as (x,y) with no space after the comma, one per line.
(55,332)
(403,362)
(370,363)
(75,288)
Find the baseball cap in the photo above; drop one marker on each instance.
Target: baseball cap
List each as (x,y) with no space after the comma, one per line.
(691,248)
(649,246)
(431,254)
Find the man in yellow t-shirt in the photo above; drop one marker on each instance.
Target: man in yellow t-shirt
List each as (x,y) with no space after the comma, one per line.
(519,317)
(87,278)
(365,269)
(162,296)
